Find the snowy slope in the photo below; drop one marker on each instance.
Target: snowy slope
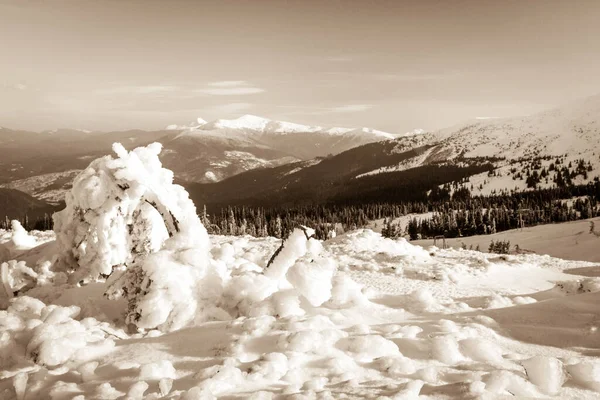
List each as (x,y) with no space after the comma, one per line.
(571,129)
(569,240)
(571,132)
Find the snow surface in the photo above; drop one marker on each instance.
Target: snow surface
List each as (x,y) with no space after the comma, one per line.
(400,322)
(569,240)
(357,316)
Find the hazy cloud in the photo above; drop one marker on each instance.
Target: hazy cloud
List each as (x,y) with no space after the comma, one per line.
(230,108)
(228,84)
(417,76)
(146,89)
(14,86)
(351,108)
(232,91)
(230,88)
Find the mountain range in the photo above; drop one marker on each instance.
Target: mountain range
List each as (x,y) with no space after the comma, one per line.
(43,164)
(486,155)
(254,160)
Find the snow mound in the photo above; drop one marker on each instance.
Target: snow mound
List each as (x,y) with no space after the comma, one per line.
(369,347)
(545,372)
(21,240)
(297,272)
(366,249)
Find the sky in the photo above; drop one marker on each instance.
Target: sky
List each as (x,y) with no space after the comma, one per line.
(393,65)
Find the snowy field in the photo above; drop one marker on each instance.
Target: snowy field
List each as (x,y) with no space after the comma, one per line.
(131,299)
(568,240)
(397,322)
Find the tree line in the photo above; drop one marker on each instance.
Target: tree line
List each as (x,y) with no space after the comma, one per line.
(455,213)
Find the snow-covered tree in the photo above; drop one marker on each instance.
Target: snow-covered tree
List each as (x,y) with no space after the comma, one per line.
(278,228)
(125,219)
(231,224)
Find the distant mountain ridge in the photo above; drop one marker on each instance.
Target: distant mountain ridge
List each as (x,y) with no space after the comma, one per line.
(570,133)
(493,155)
(256,160)
(43,163)
(254,124)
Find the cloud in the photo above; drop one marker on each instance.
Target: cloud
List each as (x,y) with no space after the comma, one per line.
(145,89)
(228,84)
(316,110)
(231,108)
(417,76)
(401,77)
(219,88)
(230,88)
(14,86)
(351,108)
(234,91)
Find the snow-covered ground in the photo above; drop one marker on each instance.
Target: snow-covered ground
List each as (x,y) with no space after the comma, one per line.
(131,299)
(569,240)
(400,322)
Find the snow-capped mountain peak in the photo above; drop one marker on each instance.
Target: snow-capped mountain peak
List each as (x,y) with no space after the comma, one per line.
(252,123)
(338,131)
(245,122)
(290,127)
(373,132)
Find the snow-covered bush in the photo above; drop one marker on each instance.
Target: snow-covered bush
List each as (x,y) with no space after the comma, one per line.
(297,273)
(124,214)
(15,277)
(48,335)
(21,240)
(15,241)
(585,285)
